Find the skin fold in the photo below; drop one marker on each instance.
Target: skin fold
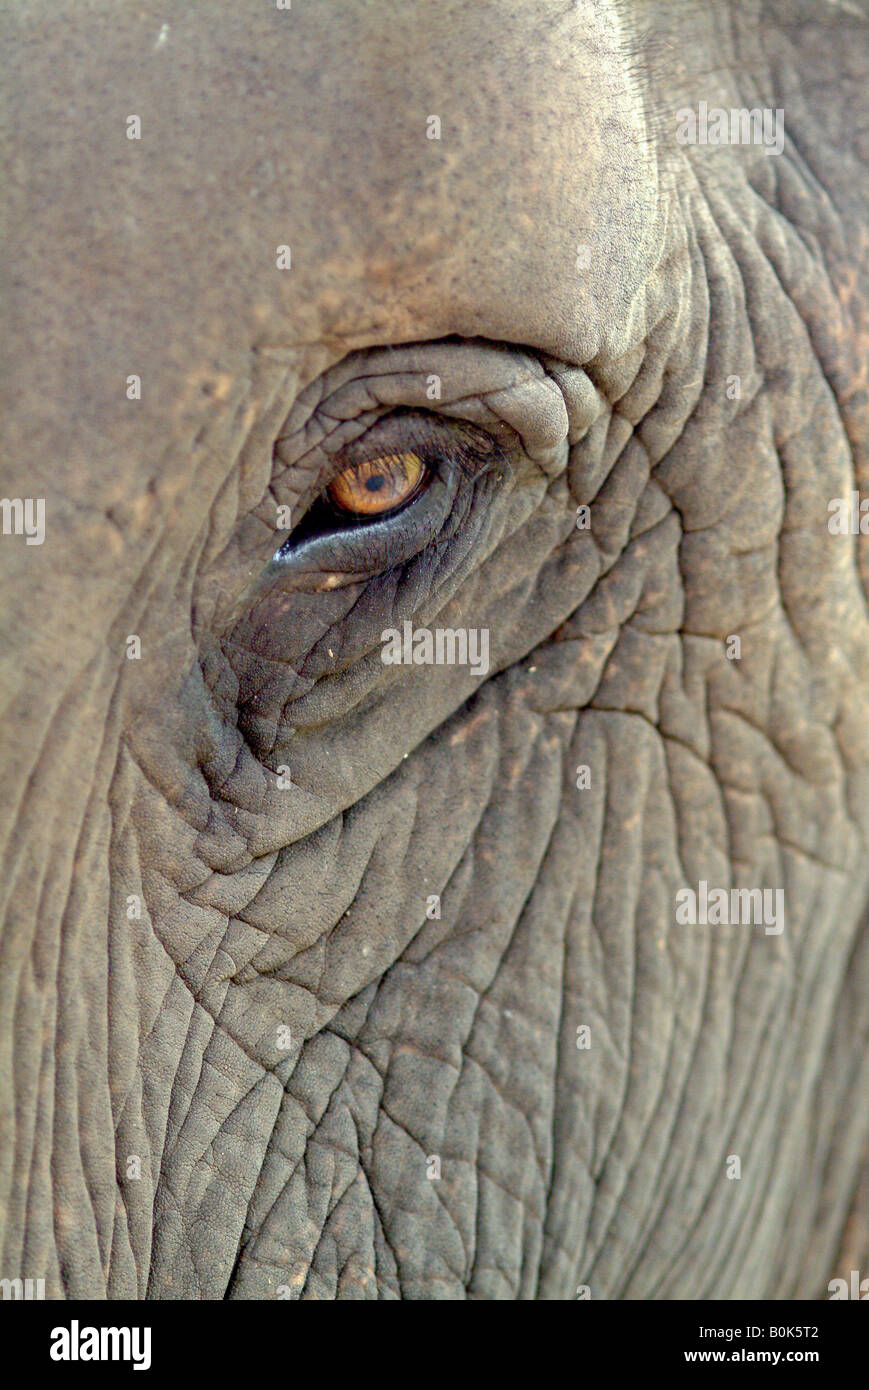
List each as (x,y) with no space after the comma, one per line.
(314,1033)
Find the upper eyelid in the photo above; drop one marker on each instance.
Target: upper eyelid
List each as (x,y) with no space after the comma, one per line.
(521,398)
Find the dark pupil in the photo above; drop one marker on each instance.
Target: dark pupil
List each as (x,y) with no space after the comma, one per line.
(374,484)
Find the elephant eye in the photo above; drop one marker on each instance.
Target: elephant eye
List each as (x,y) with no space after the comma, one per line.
(378,486)
(395,488)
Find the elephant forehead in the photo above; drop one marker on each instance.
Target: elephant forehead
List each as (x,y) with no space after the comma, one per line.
(433,168)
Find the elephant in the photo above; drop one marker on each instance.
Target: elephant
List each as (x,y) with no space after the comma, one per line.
(435,650)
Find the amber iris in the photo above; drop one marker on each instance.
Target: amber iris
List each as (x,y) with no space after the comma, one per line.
(378,485)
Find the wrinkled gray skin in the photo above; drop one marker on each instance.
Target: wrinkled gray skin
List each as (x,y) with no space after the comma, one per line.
(302,1168)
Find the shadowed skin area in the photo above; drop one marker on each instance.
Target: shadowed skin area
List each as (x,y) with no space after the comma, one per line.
(288,931)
